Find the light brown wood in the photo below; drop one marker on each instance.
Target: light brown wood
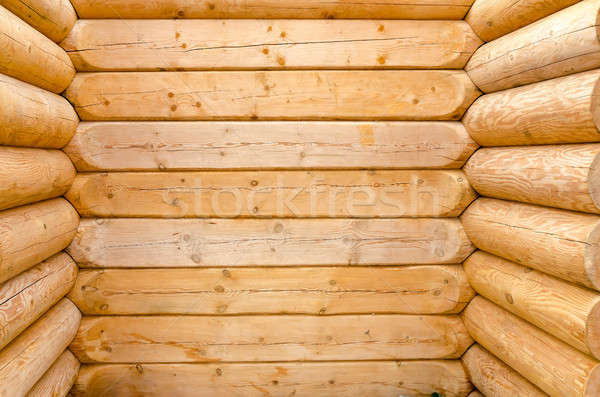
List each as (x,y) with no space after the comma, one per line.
(114,44)
(348,379)
(25,360)
(494,378)
(475,393)
(559,308)
(28,55)
(301,290)
(53,18)
(563,110)
(264,242)
(31,116)
(492,19)
(59,378)
(273,95)
(32,233)
(260,9)
(563,43)
(183,146)
(553,366)
(312,194)
(562,243)
(30,175)
(168,339)
(24,298)
(563,176)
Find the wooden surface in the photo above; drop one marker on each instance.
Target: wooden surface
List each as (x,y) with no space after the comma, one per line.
(294,9)
(302,290)
(273,95)
(58,379)
(348,379)
(52,18)
(25,360)
(264,242)
(24,298)
(32,233)
(154,146)
(563,43)
(561,309)
(476,393)
(492,19)
(563,110)
(30,116)
(561,243)
(114,44)
(28,55)
(563,176)
(30,175)
(494,378)
(175,339)
(329,194)
(553,366)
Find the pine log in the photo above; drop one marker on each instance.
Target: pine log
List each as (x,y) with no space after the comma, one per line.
(552,365)
(58,379)
(53,18)
(562,243)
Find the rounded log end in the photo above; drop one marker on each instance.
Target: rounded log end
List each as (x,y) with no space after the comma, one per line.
(594,181)
(591,258)
(592,331)
(595,103)
(592,384)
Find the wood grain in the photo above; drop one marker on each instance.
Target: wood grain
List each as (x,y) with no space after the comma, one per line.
(296,194)
(266,9)
(492,19)
(31,116)
(273,95)
(58,379)
(158,45)
(561,309)
(52,18)
(553,366)
(301,290)
(494,378)
(30,175)
(563,110)
(561,243)
(187,146)
(28,55)
(343,379)
(33,233)
(173,339)
(24,298)
(562,176)
(25,360)
(264,242)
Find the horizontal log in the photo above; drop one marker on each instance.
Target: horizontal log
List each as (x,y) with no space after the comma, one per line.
(31,116)
(304,290)
(563,43)
(53,18)
(29,175)
(33,233)
(166,339)
(113,45)
(59,379)
(273,95)
(28,55)
(561,309)
(561,243)
(563,110)
(264,242)
(183,146)
(24,298)
(563,176)
(25,360)
(553,366)
(312,194)
(494,378)
(268,9)
(348,379)
(492,19)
